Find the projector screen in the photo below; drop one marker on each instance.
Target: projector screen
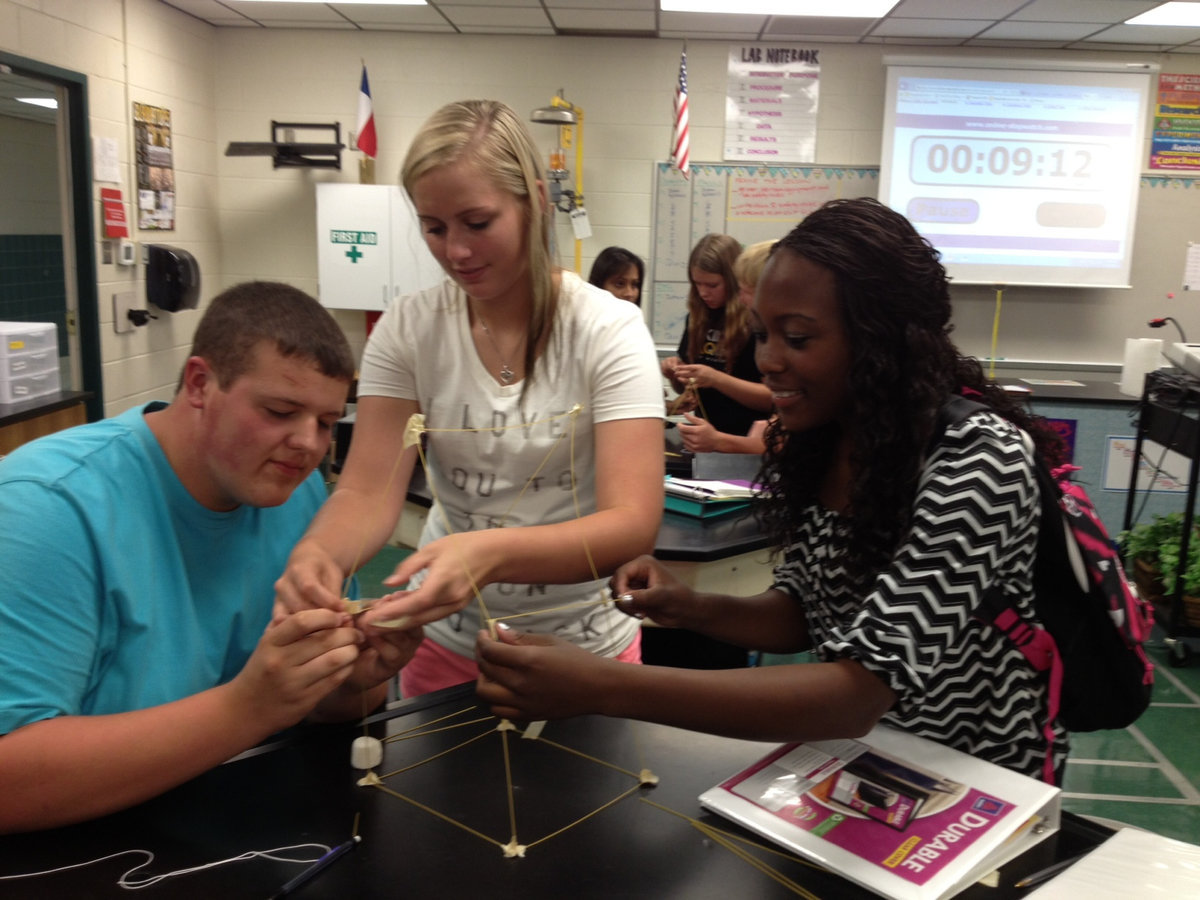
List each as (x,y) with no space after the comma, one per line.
(1018,175)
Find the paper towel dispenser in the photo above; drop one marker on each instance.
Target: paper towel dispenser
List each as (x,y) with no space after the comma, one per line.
(172,278)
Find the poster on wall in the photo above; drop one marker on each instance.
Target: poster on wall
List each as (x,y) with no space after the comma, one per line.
(155,168)
(771,103)
(1176,140)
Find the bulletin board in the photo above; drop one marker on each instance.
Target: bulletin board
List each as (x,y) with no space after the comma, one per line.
(751,203)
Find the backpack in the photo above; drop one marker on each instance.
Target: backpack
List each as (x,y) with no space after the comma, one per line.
(1093,623)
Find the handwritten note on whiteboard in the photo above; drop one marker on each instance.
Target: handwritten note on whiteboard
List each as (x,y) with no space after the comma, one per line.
(752,203)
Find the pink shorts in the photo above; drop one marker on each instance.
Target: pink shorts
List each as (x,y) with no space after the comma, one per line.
(433,667)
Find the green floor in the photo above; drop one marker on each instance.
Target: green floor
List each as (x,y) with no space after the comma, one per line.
(1147,775)
(379,568)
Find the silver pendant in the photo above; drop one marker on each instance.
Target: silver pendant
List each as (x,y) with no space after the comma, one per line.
(507,375)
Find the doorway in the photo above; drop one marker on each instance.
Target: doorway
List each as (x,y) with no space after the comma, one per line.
(47,263)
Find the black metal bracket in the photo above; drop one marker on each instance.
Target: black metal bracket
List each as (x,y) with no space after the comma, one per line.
(286,152)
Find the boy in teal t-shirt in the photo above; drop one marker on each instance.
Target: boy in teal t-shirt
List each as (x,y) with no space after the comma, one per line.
(137,647)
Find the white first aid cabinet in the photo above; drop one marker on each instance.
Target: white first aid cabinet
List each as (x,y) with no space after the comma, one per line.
(369,247)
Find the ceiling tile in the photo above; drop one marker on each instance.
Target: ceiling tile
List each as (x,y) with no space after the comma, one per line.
(526,4)
(643,5)
(1043,31)
(604,20)
(819,25)
(285,15)
(961,28)
(368,14)
(699,23)
(503,18)
(961,9)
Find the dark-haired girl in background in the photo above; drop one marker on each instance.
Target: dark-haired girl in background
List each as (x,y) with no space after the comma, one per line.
(620,272)
(891,533)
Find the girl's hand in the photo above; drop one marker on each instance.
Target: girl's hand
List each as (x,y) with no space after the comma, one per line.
(312,580)
(645,588)
(451,579)
(529,677)
(698,376)
(698,435)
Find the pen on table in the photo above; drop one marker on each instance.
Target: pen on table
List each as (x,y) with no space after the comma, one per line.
(317,868)
(1049,872)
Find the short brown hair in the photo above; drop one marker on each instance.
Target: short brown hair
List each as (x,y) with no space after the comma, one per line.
(245,315)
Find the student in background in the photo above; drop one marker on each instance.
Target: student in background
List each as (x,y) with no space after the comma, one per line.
(533,501)
(714,369)
(619,272)
(139,553)
(699,435)
(891,532)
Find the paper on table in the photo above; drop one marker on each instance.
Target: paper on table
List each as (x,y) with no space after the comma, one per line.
(709,489)
(1131,863)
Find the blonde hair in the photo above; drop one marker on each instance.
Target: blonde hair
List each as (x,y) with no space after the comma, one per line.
(747,268)
(715,254)
(491,137)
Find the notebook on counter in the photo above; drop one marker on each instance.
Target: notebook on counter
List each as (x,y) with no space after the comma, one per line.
(900,815)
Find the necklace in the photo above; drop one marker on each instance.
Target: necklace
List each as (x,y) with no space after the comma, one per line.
(506,373)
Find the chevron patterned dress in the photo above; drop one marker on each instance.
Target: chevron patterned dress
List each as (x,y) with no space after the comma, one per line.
(957,680)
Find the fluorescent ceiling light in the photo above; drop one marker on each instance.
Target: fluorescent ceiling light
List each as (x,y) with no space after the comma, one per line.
(48,102)
(1169,14)
(842,9)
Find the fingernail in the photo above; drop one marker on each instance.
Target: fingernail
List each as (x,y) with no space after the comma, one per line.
(501,625)
(626,598)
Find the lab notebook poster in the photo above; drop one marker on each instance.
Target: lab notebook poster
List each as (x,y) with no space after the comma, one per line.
(1175,143)
(771,103)
(155,168)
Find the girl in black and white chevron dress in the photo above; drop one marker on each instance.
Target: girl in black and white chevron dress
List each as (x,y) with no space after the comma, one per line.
(890,533)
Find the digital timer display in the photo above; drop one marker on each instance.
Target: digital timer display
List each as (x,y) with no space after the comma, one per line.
(1017,174)
(987,162)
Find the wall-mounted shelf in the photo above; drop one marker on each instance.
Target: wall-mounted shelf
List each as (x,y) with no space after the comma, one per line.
(285,151)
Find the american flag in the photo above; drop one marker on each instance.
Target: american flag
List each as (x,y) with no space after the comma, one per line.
(679,146)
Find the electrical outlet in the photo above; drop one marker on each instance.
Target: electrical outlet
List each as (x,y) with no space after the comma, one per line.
(122,304)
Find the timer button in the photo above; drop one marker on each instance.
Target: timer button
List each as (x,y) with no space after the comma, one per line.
(1071,215)
(948,210)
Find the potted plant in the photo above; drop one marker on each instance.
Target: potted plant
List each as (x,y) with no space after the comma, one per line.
(1151,550)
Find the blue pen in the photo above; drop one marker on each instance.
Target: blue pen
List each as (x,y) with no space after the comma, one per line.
(317,868)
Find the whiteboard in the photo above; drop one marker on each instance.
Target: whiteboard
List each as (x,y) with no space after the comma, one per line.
(751,203)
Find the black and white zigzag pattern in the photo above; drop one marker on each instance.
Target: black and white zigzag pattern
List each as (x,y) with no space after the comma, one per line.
(957,680)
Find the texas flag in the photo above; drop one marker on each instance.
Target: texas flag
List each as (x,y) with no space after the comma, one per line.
(366,118)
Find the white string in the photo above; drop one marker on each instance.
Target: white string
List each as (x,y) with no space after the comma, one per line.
(125,882)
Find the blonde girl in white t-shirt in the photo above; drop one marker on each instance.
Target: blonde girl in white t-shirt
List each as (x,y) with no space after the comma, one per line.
(542,404)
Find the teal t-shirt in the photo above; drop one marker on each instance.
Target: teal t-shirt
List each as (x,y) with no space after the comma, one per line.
(120,591)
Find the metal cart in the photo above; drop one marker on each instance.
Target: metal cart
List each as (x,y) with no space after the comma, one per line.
(1169,415)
